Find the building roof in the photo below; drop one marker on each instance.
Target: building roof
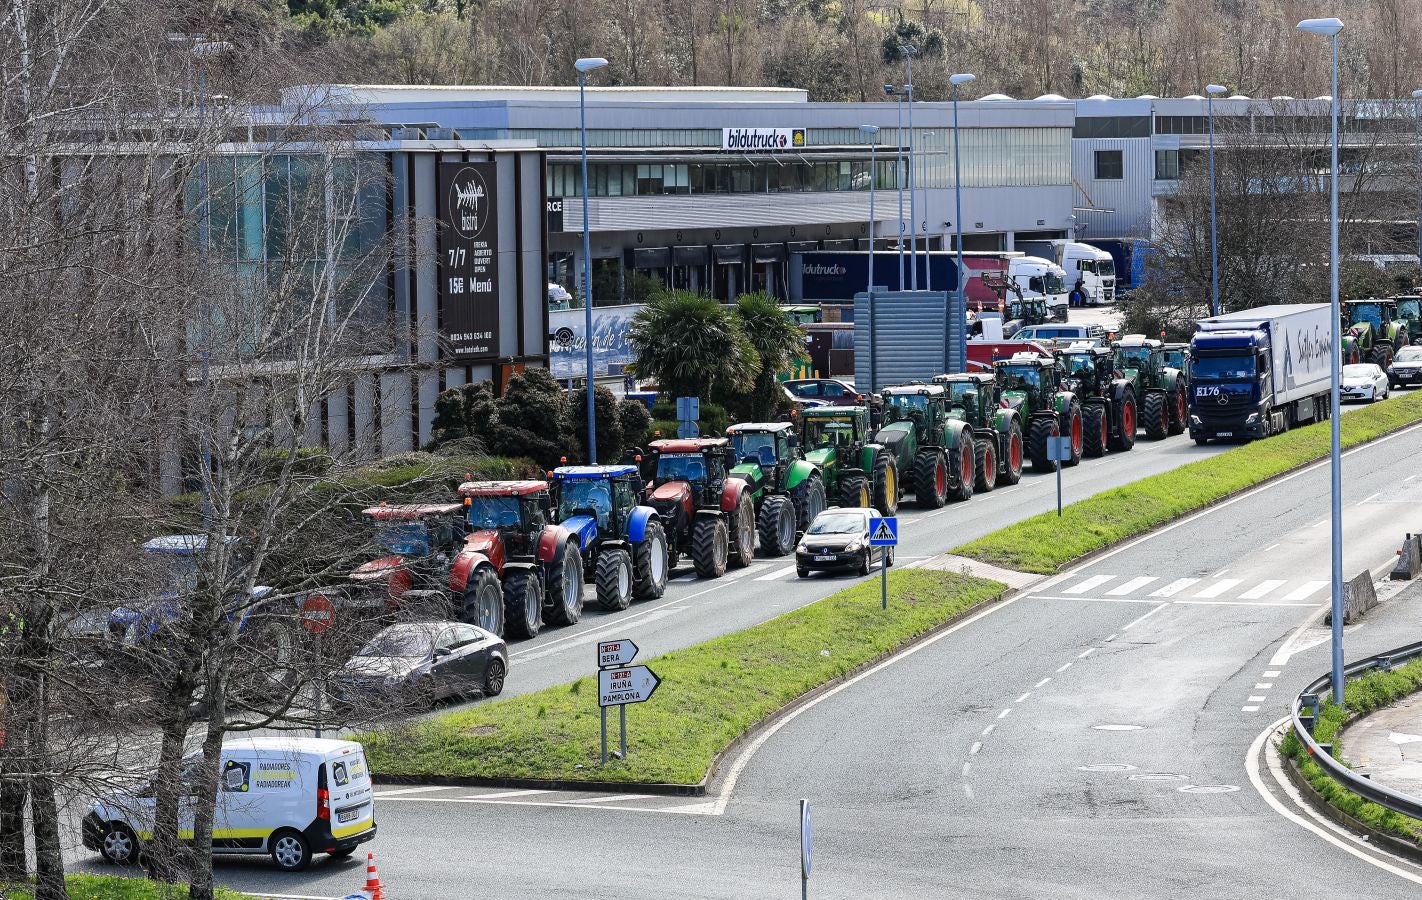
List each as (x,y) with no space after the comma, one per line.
(501,488)
(410,512)
(180,544)
(419,93)
(564,473)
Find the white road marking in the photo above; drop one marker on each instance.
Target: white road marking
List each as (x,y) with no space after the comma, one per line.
(1319,524)
(1221,573)
(1249,709)
(1264,685)
(412,790)
(1092,582)
(1175,587)
(737,574)
(1023,697)
(1241,603)
(1219,587)
(1369,499)
(778,573)
(1098,599)
(1004,713)
(988,730)
(1308,589)
(616,798)
(693,809)
(1042,682)
(1063,668)
(973,750)
(1261,590)
(502,794)
(968,789)
(1085,653)
(1256,700)
(1273,673)
(1139,619)
(1132,586)
(966,767)
(1268,548)
(1113,636)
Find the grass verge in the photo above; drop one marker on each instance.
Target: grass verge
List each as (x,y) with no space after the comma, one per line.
(1045,543)
(116,887)
(711,693)
(1360,697)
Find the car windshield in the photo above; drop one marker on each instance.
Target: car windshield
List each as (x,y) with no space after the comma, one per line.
(1409,354)
(838,523)
(826,432)
(1021,378)
(1221,368)
(681,467)
(758,445)
(1367,312)
(493,512)
(1133,359)
(1360,371)
(404,539)
(582,494)
(412,642)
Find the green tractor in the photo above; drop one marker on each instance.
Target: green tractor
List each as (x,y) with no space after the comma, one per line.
(787,489)
(937,452)
(860,473)
(1108,403)
(1032,385)
(1177,357)
(1374,331)
(973,398)
(1409,309)
(1159,389)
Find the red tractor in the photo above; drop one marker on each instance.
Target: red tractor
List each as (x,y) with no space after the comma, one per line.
(706,514)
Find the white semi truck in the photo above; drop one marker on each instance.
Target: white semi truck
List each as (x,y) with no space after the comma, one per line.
(1092,265)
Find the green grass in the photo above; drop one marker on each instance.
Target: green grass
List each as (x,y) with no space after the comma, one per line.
(1045,543)
(116,887)
(711,693)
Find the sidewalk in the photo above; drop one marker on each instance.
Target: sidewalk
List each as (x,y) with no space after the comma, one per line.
(1387,746)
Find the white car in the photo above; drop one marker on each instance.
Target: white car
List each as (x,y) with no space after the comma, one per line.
(1363,381)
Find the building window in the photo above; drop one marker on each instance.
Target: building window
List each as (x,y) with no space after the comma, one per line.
(1111,127)
(1182,125)
(1109,166)
(1167,165)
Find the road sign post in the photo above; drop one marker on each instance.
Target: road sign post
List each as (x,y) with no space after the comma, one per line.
(1058,451)
(805,849)
(318,614)
(620,683)
(884,532)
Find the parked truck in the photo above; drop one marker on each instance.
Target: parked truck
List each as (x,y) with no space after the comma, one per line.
(1258,372)
(1092,265)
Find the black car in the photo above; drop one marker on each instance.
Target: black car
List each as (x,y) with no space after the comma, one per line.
(839,539)
(1406,368)
(421,662)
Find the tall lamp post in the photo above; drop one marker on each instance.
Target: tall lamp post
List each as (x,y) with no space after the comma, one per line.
(1417,152)
(584,66)
(1329,28)
(960,306)
(1210,91)
(908,53)
(872,132)
(890,90)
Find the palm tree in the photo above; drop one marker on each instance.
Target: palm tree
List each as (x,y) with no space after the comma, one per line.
(777,340)
(692,346)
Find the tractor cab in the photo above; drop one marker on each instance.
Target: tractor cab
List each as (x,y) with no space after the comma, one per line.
(921,404)
(1177,356)
(1141,360)
(513,511)
(1086,370)
(416,530)
(700,464)
(971,396)
(595,499)
(1027,380)
(833,433)
(767,444)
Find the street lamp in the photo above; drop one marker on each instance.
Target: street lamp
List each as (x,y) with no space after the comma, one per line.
(908,53)
(960,307)
(1417,144)
(1210,91)
(872,131)
(1329,28)
(584,66)
(890,90)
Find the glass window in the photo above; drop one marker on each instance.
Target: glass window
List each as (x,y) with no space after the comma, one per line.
(1167,165)
(1109,166)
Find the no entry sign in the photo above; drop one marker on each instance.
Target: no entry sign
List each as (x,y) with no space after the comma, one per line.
(317,614)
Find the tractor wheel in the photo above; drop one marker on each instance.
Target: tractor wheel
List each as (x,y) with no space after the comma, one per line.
(930,479)
(1073,428)
(1012,454)
(1127,438)
(614,579)
(565,588)
(709,546)
(523,603)
(650,569)
(484,602)
(966,470)
(1095,434)
(743,547)
(987,466)
(1177,414)
(809,500)
(1157,418)
(1037,443)
(886,485)
(1382,355)
(854,491)
(776,525)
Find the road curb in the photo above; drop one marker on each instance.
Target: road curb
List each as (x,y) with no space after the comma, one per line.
(1380,839)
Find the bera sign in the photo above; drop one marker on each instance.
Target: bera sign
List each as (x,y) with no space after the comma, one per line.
(762,138)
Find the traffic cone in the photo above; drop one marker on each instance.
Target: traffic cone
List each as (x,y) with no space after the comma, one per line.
(372,878)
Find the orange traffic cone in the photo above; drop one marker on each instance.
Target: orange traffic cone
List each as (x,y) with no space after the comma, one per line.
(372,878)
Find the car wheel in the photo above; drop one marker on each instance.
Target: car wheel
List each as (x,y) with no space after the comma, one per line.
(494,675)
(290,850)
(120,846)
(864,564)
(802,573)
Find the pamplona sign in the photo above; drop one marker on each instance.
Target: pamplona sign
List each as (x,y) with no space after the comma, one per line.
(749,139)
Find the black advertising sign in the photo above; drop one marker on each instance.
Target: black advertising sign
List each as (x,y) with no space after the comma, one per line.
(554,207)
(469,258)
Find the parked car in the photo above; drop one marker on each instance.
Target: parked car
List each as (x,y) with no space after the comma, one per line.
(1060,333)
(422,662)
(1406,368)
(839,539)
(1363,381)
(827,392)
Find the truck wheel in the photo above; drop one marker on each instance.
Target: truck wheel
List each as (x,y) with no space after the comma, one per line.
(1037,444)
(119,846)
(967,469)
(930,479)
(290,850)
(1177,414)
(650,560)
(565,589)
(809,500)
(1072,427)
(1094,437)
(484,602)
(776,525)
(743,550)
(523,603)
(614,579)
(1012,454)
(1127,438)
(1157,418)
(854,491)
(709,540)
(987,466)
(886,485)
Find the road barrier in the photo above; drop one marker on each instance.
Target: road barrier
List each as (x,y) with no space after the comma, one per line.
(1305,711)
(1409,559)
(1359,596)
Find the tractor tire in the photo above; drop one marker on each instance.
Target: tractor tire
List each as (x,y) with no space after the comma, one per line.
(484,602)
(614,579)
(776,526)
(1177,414)
(1382,355)
(650,564)
(1095,430)
(710,542)
(565,589)
(987,466)
(1037,443)
(523,603)
(965,466)
(809,500)
(1012,454)
(930,479)
(1156,418)
(743,538)
(854,491)
(1126,439)
(1073,428)
(886,485)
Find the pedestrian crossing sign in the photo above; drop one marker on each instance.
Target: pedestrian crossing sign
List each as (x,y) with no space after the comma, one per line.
(883,532)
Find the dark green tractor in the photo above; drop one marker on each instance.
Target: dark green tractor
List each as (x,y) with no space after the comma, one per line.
(1159,389)
(1409,309)
(1032,385)
(937,452)
(855,470)
(974,398)
(1177,357)
(1108,403)
(1373,331)
(788,490)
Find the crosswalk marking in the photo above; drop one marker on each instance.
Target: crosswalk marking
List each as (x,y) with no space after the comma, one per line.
(1088,584)
(1175,587)
(503,794)
(1261,590)
(778,573)
(1134,584)
(1219,587)
(1308,589)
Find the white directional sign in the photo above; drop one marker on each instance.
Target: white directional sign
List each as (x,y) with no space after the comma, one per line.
(631,684)
(615,653)
(805,843)
(883,532)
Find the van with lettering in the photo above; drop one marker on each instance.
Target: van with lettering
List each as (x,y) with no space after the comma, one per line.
(289,797)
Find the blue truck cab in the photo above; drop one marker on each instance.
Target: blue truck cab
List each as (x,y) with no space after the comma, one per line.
(1230,379)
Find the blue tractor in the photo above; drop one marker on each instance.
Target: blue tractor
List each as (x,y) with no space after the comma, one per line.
(623,544)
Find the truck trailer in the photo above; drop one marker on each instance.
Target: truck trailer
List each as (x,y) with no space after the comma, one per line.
(1260,371)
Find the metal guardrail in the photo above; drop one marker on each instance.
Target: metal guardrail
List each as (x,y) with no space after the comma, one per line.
(1305,709)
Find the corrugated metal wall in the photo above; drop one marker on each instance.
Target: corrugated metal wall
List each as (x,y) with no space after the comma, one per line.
(912,338)
(710,210)
(1127,198)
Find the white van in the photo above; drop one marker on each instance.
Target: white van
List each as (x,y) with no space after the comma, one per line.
(287,796)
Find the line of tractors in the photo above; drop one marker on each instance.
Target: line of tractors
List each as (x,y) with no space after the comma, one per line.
(512,556)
